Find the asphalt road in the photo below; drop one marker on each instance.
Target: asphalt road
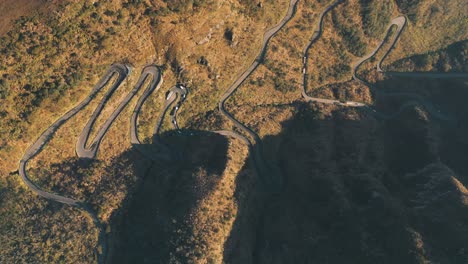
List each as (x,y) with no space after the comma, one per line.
(268,175)
(90,152)
(415,99)
(154,73)
(400,22)
(179,93)
(120,72)
(182,93)
(116,69)
(315,36)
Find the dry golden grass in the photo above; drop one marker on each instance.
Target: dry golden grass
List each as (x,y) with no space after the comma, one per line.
(13,9)
(178,40)
(140,43)
(214,215)
(438,24)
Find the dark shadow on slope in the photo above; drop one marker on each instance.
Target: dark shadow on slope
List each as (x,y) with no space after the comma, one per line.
(157,220)
(444,121)
(92,181)
(347,194)
(153,200)
(34,230)
(450,59)
(357,189)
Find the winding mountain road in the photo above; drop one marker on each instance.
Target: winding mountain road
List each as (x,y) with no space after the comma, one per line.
(182,93)
(116,69)
(90,153)
(274,180)
(238,82)
(38,145)
(120,71)
(416,99)
(315,36)
(269,176)
(400,22)
(154,73)
(177,92)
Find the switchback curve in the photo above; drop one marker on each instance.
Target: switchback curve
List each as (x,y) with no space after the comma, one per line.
(90,152)
(47,135)
(315,36)
(400,22)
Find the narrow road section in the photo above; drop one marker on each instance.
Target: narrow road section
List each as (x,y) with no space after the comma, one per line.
(182,96)
(46,136)
(268,176)
(178,92)
(90,152)
(400,22)
(154,73)
(305,76)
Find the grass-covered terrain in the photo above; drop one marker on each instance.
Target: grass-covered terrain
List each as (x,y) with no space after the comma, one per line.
(357,189)
(453,58)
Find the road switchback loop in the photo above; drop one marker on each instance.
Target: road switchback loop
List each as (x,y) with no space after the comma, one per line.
(400,22)
(120,71)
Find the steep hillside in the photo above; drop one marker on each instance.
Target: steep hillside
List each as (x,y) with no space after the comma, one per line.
(385,183)
(359,190)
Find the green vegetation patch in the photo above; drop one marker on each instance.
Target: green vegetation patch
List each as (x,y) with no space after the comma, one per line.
(353,36)
(376,15)
(454,58)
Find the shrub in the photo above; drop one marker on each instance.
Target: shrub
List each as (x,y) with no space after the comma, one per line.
(376,15)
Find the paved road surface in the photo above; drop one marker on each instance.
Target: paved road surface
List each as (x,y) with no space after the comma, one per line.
(90,152)
(46,136)
(154,73)
(178,92)
(400,22)
(268,175)
(182,93)
(315,36)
